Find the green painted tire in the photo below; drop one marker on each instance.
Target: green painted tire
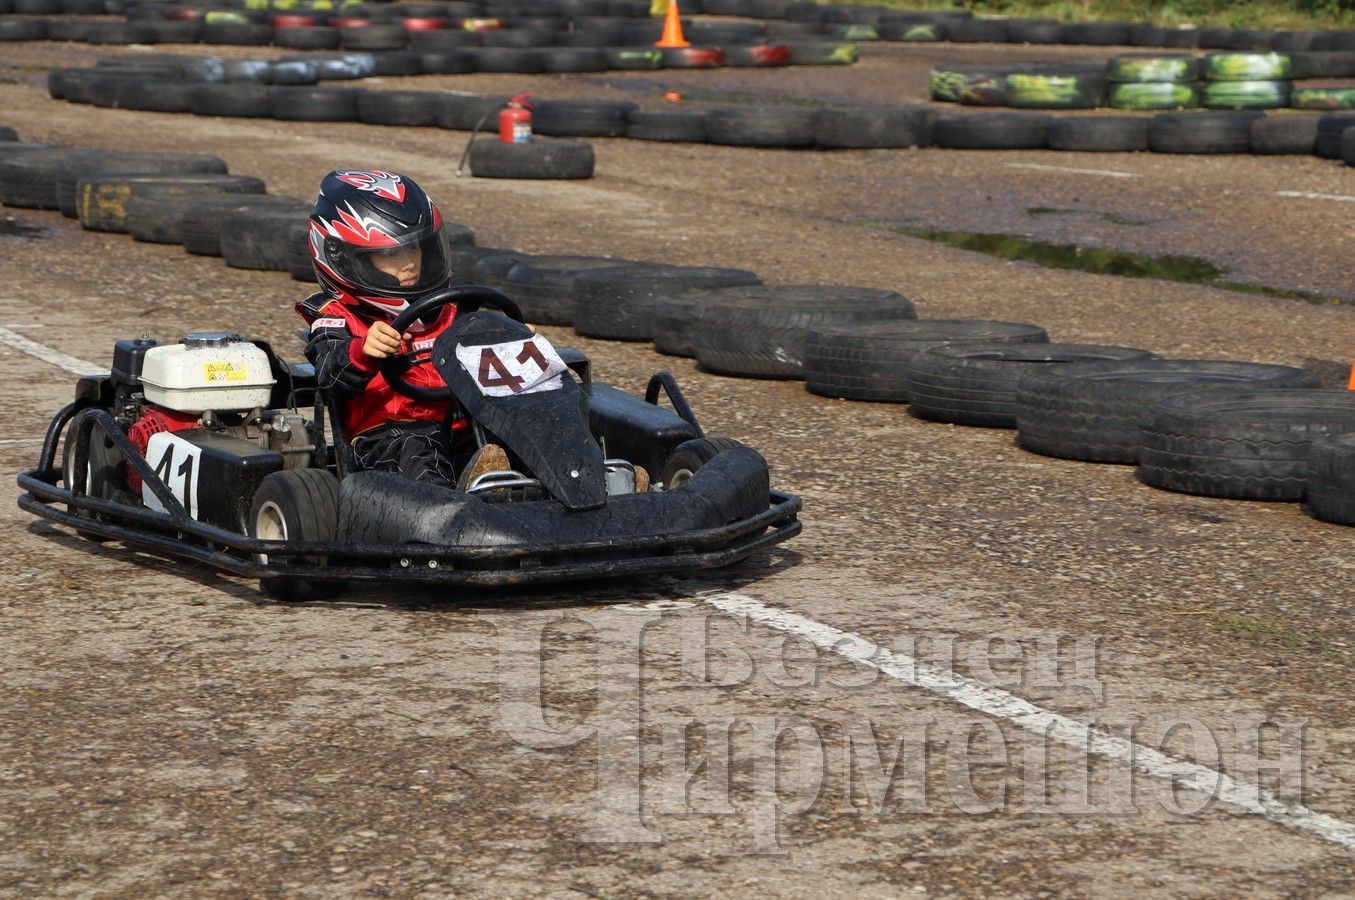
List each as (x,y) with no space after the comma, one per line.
(1247,67)
(1246,94)
(922,32)
(1153,95)
(1029,90)
(1143,68)
(972,85)
(1323,98)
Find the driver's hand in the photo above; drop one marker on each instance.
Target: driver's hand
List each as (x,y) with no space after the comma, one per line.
(382,340)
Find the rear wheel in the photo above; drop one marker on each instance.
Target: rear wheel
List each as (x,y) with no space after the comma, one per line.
(297,505)
(105,472)
(689,456)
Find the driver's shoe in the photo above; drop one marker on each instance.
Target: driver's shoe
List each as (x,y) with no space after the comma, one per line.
(489,458)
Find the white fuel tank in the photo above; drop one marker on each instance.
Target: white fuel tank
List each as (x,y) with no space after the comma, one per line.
(213,371)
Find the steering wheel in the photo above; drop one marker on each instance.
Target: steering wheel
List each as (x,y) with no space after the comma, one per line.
(468,298)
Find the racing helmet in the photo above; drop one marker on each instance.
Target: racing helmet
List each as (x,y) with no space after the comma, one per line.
(377,241)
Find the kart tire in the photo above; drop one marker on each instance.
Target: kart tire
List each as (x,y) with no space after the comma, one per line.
(297,505)
(666,125)
(106,474)
(975,384)
(1240,443)
(870,360)
(1091,411)
(689,456)
(539,158)
(8,134)
(618,303)
(1330,489)
(759,331)
(1099,134)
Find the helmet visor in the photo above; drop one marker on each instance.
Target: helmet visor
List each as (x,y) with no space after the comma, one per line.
(407,269)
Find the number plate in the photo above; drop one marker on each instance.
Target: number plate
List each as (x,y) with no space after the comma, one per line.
(516,367)
(176,462)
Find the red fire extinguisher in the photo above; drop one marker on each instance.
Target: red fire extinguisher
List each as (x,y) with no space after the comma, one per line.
(515,121)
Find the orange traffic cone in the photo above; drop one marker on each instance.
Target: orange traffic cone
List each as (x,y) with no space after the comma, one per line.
(1351,385)
(672,29)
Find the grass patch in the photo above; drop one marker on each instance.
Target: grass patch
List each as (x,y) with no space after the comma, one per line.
(1113,218)
(1097,260)
(1274,631)
(1299,14)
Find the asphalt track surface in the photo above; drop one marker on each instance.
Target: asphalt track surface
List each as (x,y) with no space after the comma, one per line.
(166,731)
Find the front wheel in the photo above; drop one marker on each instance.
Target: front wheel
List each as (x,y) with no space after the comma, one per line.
(297,505)
(691,455)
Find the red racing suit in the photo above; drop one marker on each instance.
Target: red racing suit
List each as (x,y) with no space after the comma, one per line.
(345,373)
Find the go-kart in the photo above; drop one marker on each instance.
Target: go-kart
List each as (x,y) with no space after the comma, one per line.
(204,450)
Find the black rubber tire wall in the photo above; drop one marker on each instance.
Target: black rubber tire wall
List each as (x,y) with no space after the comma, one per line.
(975,383)
(1242,443)
(870,361)
(1092,411)
(1330,490)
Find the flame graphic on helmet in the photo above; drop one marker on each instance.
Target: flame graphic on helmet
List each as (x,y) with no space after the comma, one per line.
(355,229)
(383,184)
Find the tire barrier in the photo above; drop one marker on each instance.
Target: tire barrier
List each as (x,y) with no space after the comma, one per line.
(158,84)
(805,33)
(1209,427)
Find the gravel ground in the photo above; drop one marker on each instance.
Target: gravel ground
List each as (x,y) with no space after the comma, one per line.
(167,731)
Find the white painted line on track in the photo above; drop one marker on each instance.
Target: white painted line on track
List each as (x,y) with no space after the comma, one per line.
(48,355)
(1309,195)
(27,440)
(1105,173)
(999,704)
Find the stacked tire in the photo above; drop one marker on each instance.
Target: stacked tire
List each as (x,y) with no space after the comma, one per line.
(1153,81)
(1247,81)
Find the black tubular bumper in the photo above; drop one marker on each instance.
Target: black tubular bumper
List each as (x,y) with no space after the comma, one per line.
(174,533)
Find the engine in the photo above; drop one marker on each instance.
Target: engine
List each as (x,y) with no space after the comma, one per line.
(220,385)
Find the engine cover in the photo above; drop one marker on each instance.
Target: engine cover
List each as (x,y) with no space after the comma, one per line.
(217,372)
